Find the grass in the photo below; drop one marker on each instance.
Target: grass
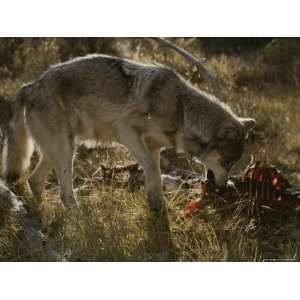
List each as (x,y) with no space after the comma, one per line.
(116,225)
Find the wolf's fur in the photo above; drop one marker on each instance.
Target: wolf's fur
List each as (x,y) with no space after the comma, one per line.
(102,98)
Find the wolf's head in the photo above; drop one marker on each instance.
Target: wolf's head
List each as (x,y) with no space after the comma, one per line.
(215,135)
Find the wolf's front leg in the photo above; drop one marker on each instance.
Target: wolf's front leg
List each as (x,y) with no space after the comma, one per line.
(154,189)
(153,181)
(134,142)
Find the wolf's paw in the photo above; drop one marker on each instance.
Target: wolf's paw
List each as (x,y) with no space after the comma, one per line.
(70,202)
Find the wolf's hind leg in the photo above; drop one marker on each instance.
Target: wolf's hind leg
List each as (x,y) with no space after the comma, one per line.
(38,177)
(132,140)
(62,158)
(57,154)
(52,134)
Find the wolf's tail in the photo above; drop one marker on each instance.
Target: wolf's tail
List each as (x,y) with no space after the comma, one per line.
(18,145)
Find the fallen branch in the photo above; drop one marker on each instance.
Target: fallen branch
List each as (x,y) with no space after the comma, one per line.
(9,204)
(196,62)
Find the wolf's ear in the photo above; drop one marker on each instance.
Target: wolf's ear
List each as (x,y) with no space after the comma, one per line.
(248,123)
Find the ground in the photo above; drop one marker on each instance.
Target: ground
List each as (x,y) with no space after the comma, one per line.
(116,225)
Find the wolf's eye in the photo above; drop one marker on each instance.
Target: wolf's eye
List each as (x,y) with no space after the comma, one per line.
(223,145)
(228,164)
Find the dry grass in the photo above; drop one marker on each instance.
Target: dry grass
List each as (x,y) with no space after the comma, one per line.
(115,225)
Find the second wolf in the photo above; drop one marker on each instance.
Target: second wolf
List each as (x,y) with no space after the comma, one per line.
(101,98)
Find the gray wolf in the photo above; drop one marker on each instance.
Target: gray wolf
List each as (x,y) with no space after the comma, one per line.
(100,98)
